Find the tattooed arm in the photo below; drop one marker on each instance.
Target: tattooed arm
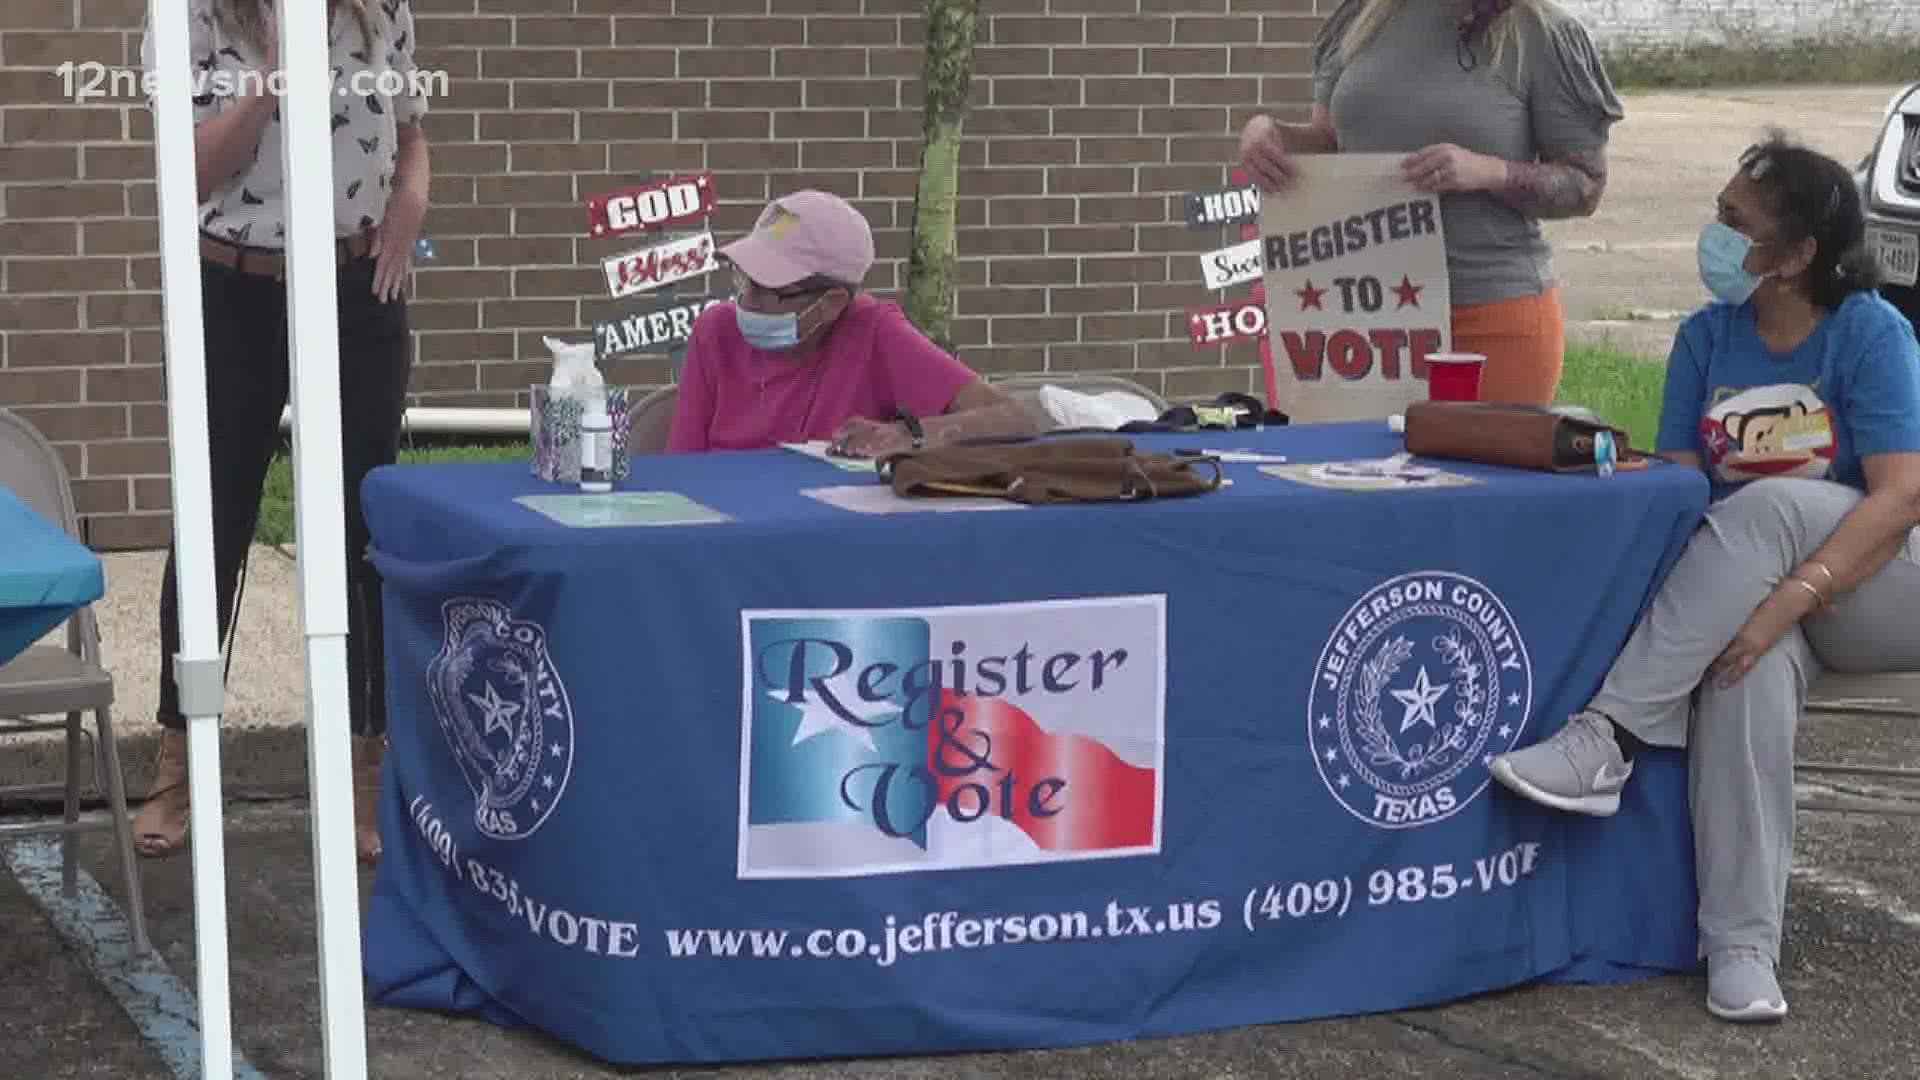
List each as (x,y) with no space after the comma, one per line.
(1546,189)
(1556,189)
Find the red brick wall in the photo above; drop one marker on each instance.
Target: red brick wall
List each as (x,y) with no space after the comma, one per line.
(1090,118)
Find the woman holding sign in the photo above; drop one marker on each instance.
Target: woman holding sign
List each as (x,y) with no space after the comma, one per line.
(1798,392)
(1507,123)
(380,200)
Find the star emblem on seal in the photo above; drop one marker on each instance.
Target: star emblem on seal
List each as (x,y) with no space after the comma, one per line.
(505,714)
(1423,680)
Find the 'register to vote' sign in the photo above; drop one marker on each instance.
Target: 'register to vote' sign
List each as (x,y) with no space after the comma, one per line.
(1355,271)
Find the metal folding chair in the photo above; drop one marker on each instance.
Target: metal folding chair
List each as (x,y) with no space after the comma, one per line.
(650,420)
(1895,696)
(1026,389)
(48,680)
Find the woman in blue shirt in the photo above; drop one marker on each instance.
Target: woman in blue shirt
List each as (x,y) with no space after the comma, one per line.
(1798,392)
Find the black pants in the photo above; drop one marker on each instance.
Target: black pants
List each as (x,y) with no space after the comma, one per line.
(247,387)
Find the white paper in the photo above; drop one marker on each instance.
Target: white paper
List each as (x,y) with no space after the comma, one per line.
(880,499)
(817,449)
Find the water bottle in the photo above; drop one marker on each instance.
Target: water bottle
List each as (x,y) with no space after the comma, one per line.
(596,443)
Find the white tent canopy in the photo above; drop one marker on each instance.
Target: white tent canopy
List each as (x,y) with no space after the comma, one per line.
(314,353)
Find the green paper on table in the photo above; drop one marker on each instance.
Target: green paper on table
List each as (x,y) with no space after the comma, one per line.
(622,508)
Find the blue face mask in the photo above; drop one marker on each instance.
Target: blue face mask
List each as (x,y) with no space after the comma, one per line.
(764,331)
(1723,263)
(770,332)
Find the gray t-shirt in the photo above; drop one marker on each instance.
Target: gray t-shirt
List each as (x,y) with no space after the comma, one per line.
(1407,90)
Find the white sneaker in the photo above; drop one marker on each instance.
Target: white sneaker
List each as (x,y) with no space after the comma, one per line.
(1578,769)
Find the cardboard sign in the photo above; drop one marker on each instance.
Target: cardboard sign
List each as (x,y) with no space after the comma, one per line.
(1227,323)
(662,264)
(1232,265)
(1225,206)
(677,200)
(660,326)
(1357,295)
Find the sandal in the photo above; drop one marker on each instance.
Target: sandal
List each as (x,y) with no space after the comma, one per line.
(160,828)
(368,751)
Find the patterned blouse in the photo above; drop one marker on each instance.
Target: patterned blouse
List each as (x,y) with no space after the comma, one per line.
(375,90)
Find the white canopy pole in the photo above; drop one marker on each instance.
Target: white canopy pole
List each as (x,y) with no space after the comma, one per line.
(313,337)
(197,666)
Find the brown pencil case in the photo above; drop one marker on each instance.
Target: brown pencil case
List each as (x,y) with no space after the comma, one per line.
(1519,436)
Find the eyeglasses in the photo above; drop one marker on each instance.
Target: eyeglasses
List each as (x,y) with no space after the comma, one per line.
(744,286)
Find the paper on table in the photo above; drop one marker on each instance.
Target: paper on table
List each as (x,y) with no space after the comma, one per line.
(623,508)
(817,449)
(1396,473)
(880,499)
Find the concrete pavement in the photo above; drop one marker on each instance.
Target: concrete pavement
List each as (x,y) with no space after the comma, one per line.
(1854,908)
(1628,272)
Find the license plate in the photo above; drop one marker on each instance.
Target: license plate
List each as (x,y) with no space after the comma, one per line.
(1898,254)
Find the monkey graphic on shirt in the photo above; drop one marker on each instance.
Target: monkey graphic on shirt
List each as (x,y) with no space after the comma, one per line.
(1778,430)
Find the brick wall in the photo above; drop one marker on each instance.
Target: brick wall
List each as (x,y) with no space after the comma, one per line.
(1634,23)
(1090,118)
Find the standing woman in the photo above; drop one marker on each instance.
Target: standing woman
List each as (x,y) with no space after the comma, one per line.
(380,199)
(1503,108)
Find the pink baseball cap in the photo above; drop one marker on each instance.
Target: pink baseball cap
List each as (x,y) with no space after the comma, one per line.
(803,234)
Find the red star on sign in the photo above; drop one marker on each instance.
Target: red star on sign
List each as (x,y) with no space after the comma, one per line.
(1407,292)
(1309,296)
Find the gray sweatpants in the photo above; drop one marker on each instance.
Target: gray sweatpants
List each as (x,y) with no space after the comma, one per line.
(1741,739)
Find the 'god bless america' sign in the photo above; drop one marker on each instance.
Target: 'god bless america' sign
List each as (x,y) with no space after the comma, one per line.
(663,204)
(660,326)
(662,264)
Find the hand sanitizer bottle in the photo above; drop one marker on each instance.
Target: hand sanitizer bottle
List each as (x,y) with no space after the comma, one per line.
(596,444)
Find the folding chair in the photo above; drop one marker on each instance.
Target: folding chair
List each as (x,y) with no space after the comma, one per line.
(48,680)
(650,420)
(1896,695)
(1026,389)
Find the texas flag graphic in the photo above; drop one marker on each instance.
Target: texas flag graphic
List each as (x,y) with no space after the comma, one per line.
(941,738)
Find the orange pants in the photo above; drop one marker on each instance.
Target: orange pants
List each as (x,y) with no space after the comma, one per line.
(1524,340)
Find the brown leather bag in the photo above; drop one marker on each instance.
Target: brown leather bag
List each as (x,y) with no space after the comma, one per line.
(1050,470)
(1521,436)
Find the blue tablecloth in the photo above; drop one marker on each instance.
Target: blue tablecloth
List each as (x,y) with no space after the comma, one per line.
(811,782)
(45,575)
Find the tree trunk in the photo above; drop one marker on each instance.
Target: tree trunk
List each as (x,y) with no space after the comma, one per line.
(948,77)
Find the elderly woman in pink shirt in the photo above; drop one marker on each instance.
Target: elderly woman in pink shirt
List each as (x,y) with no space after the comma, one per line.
(802,354)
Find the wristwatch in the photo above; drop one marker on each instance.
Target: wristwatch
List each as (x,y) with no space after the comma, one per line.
(912,424)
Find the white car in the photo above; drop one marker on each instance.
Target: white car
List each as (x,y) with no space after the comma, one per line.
(1890,192)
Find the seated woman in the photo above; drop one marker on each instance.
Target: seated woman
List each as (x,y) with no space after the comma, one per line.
(1799,393)
(802,354)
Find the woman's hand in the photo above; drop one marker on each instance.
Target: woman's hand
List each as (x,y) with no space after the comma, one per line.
(1783,608)
(398,233)
(863,438)
(1263,153)
(1446,169)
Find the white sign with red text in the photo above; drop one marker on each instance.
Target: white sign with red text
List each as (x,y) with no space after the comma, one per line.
(662,264)
(1355,267)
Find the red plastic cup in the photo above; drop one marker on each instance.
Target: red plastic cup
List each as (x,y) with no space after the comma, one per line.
(1454,376)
